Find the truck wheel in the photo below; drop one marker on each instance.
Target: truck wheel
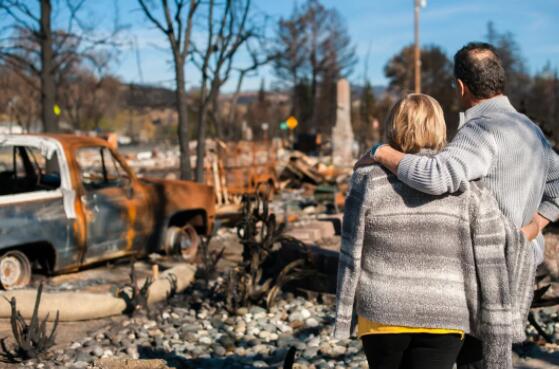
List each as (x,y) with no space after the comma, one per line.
(182,241)
(15,270)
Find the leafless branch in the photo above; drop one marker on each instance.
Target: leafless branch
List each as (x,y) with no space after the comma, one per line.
(151,17)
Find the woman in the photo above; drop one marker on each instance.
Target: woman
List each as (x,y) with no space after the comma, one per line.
(421,270)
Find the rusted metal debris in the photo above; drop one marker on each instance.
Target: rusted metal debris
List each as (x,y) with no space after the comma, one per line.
(73,201)
(236,168)
(31,340)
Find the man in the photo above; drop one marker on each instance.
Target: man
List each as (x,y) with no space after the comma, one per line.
(494,143)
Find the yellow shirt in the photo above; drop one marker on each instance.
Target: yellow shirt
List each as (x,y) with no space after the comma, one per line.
(365,327)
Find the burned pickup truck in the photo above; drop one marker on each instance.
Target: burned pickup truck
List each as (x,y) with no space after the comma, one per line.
(68,201)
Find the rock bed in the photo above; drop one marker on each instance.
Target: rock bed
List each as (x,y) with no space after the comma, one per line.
(194,331)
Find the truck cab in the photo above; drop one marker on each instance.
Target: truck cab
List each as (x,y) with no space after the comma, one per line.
(68,201)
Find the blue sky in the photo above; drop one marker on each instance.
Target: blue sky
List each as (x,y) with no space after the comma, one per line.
(384,26)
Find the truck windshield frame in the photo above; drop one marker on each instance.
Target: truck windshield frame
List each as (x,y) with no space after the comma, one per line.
(102,171)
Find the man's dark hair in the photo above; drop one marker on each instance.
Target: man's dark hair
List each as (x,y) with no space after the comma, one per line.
(478,65)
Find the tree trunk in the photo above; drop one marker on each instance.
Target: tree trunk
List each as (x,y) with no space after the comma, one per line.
(219,131)
(233,107)
(48,90)
(185,169)
(201,139)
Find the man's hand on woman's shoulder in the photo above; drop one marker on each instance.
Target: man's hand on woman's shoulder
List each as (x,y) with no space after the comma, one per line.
(364,161)
(369,158)
(384,155)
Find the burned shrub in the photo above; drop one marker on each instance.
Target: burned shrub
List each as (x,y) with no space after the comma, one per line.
(258,232)
(209,260)
(31,340)
(138,297)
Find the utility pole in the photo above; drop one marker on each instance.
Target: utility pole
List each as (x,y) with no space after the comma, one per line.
(417,52)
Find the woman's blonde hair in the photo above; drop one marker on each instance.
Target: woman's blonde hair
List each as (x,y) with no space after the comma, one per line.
(416,122)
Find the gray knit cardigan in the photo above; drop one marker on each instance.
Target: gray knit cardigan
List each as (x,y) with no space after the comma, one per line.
(451,261)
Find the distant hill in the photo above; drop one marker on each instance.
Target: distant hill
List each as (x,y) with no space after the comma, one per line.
(378,91)
(148,96)
(156,97)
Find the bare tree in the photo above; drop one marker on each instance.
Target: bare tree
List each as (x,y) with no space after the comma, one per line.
(177,24)
(542,103)
(257,59)
(291,52)
(19,99)
(228,30)
(48,89)
(75,97)
(33,47)
(88,93)
(517,87)
(37,27)
(313,50)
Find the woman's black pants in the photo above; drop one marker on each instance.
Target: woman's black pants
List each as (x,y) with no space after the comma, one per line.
(411,350)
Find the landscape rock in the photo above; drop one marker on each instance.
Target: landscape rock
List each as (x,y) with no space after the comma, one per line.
(129,364)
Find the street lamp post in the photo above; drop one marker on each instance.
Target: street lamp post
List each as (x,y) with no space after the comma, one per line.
(417,52)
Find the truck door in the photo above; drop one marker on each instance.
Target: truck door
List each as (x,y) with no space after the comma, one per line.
(107,200)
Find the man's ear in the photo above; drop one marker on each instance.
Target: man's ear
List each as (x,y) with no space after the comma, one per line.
(461,87)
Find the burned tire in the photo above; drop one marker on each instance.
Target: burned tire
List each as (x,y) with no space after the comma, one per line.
(15,270)
(182,241)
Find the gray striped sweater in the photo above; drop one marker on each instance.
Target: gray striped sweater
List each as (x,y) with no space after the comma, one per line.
(451,261)
(504,149)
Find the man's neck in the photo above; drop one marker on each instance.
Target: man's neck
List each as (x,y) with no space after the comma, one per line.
(470,102)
